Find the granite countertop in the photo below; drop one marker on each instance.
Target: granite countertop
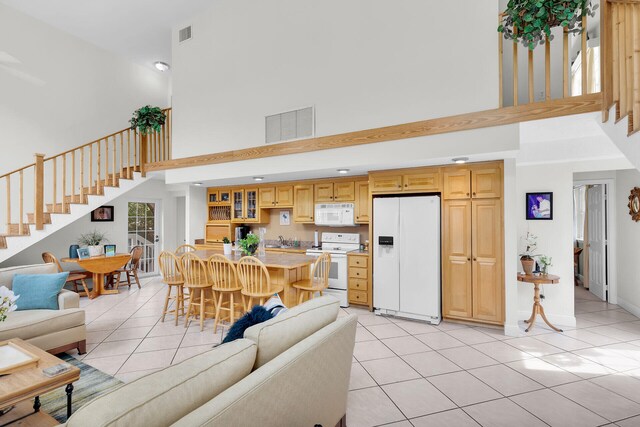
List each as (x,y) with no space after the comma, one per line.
(270,259)
(359,252)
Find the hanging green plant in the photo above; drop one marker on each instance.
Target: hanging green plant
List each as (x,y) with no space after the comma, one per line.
(147,119)
(534,19)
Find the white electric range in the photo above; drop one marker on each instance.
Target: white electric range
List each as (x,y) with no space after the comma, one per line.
(338,245)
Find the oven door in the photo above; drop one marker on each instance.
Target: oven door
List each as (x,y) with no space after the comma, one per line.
(337,271)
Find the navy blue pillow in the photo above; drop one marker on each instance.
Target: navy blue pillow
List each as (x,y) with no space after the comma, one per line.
(38,291)
(258,314)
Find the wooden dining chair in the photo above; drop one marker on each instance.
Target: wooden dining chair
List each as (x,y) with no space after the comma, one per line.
(74,276)
(224,279)
(183,249)
(171,271)
(318,281)
(130,269)
(196,279)
(255,280)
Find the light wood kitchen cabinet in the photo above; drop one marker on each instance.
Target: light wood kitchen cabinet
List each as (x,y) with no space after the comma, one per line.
(216,196)
(421,181)
(344,191)
(358,279)
(244,206)
(486,241)
(324,192)
(382,183)
(456,257)
(303,207)
(362,202)
(457,184)
(486,183)
(214,233)
(276,197)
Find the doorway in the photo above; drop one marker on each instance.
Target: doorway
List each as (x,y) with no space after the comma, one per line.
(593,241)
(143,231)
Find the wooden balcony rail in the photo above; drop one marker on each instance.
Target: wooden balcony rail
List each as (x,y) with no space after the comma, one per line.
(515,64)
(69,177)
(621,73)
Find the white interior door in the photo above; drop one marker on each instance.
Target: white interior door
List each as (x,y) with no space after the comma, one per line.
(386,266)
(597,240)
(420,256)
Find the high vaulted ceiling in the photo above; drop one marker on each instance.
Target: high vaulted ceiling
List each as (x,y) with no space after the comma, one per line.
(137,29)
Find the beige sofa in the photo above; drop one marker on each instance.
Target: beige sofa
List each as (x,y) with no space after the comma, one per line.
(52,330)
(292,370)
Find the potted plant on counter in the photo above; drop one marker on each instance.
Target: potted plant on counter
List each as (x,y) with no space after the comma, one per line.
(92,241)
(226,246)
(526,258)
(249,244)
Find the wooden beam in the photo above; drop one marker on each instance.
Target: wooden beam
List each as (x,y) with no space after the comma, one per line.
(469,121)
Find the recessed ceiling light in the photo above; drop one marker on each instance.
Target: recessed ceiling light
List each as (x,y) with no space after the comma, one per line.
(161,66)
(460,160)
(343,171)
(197,184)
(258,178)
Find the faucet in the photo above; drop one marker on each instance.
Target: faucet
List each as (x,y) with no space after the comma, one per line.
(282,241)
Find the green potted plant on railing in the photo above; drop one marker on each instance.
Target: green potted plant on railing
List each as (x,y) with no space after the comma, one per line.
(249,244)
(148,119)
(530,21)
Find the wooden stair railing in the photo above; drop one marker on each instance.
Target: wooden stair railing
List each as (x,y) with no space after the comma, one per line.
(621,22)
(69,177)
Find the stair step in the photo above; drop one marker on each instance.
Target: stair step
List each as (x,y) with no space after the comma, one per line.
(77,199)
(58,208)
(14,230)
(32,220)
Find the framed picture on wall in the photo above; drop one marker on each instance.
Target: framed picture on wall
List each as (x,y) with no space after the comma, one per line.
(285,218)
(83,253)
(102,214)
(110,250)
(539,206)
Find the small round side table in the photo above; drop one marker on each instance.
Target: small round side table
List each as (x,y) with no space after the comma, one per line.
(537,307)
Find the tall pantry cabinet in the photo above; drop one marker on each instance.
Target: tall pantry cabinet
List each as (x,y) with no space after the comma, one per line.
(472,251)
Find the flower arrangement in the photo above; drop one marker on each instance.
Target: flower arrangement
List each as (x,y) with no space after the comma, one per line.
(93,238)
(531,243)
(7,302)
(545,263)
(249,245)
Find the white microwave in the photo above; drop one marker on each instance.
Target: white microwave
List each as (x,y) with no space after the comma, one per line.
(335,214)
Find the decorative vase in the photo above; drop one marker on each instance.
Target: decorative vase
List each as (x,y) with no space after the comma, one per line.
(226,247)
(95,250)
(73,251)
(527,265)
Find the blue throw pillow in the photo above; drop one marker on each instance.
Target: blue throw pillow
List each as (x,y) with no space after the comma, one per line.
(38,291)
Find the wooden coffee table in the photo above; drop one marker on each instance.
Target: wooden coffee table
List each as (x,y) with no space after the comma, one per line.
(31,383)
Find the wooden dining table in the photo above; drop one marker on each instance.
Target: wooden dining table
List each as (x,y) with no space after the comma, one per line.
(284,269)
(100,266)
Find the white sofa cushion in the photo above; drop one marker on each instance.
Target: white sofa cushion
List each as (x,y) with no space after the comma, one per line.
(280,333)
(29,324)
(166,396)
(6,274)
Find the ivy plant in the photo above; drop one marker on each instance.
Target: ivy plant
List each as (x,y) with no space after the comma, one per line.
(147,119)
(534,19)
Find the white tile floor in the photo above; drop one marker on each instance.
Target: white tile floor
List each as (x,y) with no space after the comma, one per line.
(410,374)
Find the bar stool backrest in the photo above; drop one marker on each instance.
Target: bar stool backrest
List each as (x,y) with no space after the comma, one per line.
(320,272)
(224,276)
(194,270)
(183,249)
(170,268)
(254,276)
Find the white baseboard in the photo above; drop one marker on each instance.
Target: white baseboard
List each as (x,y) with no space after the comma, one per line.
(631,308)
(555,319)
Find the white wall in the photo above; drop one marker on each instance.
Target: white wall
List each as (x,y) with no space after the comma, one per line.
(59,92)
(362,63)
(196,213)
(628,236)
(58,243)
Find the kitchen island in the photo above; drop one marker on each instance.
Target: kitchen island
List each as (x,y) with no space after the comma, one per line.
(284,269)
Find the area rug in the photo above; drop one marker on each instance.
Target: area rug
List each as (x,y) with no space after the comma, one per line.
(91,384)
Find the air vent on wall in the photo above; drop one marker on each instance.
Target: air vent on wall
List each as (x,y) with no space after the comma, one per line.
(289,125)
(184,34)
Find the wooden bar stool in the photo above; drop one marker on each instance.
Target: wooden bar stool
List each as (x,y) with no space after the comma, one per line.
(255,279)
(74,276)
(318,281)
(224,279)
(197,281)
(181,250)
(171,271)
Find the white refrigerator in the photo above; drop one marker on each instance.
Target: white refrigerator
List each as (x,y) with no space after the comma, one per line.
(406,257)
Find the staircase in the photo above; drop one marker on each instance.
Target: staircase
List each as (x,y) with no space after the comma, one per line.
(45,196)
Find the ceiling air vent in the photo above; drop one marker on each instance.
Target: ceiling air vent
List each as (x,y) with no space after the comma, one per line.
(290,125)
(184,34)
